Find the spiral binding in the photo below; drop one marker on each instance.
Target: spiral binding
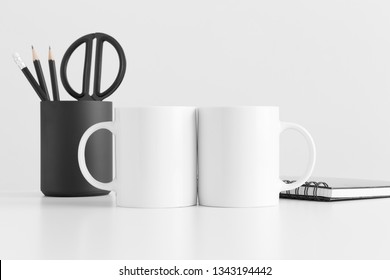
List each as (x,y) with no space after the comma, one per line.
(306,186)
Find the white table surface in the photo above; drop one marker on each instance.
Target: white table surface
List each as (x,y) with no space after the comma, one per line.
(36,227)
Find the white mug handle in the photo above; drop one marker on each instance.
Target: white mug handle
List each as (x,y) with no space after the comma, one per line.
(81,156)
(312,155)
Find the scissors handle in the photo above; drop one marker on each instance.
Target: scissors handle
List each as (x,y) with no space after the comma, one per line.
(88,41)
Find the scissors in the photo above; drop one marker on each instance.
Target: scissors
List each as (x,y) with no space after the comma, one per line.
(88,41)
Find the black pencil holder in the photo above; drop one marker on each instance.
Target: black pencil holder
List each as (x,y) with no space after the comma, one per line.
(62,125)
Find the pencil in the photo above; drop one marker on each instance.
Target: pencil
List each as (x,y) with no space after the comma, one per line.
(29,76)
(53,76)
(38,70)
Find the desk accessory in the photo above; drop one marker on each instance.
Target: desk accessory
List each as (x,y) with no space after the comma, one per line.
(38,70)
(64,122)
(155,156)
(238,151)
(96,95)
(336,189)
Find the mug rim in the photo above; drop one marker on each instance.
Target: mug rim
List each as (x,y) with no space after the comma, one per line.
(241,107)
(155,107)
(199,107)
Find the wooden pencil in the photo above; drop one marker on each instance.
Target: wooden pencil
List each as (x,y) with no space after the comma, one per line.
(38,70)
(53,76)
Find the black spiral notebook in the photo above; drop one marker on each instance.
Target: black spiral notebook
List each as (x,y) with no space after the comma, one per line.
(335,189)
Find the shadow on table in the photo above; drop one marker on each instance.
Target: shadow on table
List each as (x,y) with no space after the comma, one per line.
(93,201)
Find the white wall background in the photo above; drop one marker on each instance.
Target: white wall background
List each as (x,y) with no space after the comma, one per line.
(325,63)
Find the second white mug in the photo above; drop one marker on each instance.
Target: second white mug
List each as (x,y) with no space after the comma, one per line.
(238,151)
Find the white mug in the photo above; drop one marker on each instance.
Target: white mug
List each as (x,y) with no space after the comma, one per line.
(238,154)
(155,156)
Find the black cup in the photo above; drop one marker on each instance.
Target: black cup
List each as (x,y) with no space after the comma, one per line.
(62,125)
